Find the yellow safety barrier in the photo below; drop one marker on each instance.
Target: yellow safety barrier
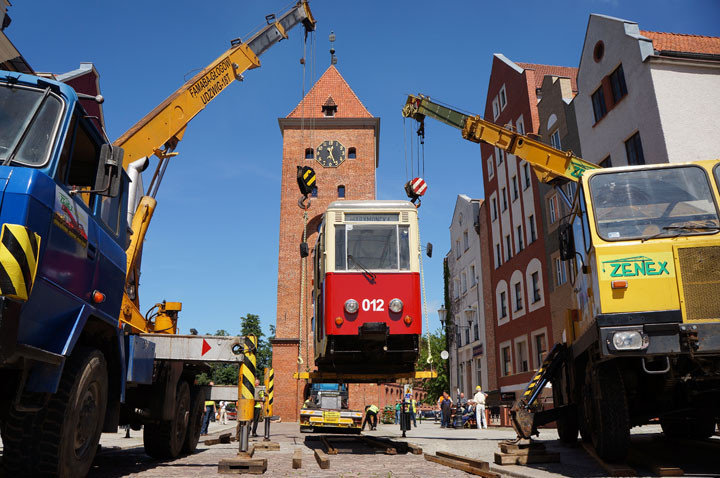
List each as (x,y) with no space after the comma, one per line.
(19,250)
(246,384)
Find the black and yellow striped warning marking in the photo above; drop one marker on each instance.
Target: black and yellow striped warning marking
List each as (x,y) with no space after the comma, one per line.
(270,388)
(247,379)
(19,249)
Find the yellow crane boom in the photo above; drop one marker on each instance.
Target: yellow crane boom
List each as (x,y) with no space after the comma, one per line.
(159,132)
(549,163)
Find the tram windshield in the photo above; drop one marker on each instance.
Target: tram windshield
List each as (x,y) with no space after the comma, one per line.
(363,247)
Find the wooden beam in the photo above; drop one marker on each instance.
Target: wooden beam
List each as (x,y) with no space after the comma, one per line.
(415,450)
(322,459)
(297,459)
(483,465)
(387,448)
(459,465)
(328,447)
(239,465)
(611,469)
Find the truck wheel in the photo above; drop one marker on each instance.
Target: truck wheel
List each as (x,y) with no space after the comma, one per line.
(585,409)
(165,439)
(197,409)
(66,432)
(567,422)
(610,429)
(17,444)
(694,428)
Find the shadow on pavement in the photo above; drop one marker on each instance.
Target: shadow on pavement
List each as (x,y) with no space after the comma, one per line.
(115,463)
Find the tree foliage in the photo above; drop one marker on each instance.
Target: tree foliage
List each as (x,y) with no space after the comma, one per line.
(434,386)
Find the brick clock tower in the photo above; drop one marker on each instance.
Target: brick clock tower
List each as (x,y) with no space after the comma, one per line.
(330,115)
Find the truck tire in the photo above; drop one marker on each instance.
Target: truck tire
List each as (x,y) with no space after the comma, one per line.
(62,438)
(567,422)
(166,438)
(694,428)
(610,429)
(197,410)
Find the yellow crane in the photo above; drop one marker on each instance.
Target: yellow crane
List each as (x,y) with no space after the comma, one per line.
(643,340)
(159,132)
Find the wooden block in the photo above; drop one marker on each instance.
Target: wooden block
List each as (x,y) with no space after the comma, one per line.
(297,459)
(611,469)
(483,465)
(653,463)
(460,465)
(212,441)
(322,459)
(414,449)
(239,465)
(267,445)
(514,449)
(328,447)
(510,459)
(247,454)
(389,450)
(224,438)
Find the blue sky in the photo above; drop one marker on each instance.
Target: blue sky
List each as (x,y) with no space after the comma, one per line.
(213,242)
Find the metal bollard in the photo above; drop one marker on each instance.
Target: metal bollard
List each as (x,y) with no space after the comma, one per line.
(269,388)
(246,391)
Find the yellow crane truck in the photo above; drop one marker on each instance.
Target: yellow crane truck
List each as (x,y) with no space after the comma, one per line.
(643,337)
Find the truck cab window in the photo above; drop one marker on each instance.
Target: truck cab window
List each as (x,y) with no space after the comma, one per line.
(84,158)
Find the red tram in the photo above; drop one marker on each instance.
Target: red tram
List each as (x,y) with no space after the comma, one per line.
(366,288)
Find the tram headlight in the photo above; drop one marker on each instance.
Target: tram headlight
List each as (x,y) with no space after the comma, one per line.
(351,306)
(630,340)
(396,305)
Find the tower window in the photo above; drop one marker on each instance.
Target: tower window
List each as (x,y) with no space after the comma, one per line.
(309,153)
(352,154)
(329,109)
(341,191)
(313,193)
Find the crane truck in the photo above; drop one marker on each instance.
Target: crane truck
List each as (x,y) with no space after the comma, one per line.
(643,335)
(76,356)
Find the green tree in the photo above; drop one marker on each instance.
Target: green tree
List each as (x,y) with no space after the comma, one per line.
(434,386)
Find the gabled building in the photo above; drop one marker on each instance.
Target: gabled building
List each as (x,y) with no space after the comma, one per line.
(10,57)
(515,235)
(470,343)
(646,97)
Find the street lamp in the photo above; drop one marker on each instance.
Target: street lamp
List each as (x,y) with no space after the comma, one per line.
(442,314)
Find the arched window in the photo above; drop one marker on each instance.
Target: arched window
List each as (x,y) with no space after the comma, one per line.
(309,153)
(341,191)
(352,153)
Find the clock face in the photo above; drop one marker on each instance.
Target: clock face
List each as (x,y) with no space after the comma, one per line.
(330,154)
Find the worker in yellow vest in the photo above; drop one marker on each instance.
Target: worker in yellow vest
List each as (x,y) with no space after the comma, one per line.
(371,412)
(259,401)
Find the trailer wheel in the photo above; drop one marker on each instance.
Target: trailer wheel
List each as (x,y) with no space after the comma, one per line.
(63,436)
(197,409)
(610,429)
(699,427)
(165,439)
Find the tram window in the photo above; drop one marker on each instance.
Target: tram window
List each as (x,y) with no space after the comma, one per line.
(404,243)
(372,247)
(339,248)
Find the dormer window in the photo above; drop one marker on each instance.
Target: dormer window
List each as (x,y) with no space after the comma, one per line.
(329,109)
(309,153)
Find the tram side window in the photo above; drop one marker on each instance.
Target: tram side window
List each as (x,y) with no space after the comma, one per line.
(404,242)
(340,248)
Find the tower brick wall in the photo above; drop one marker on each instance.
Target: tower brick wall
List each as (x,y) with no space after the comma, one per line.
(307,126)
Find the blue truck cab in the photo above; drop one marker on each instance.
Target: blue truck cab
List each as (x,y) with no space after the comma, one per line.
(62,260)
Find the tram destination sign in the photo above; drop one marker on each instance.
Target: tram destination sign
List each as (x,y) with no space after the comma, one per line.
(380,217)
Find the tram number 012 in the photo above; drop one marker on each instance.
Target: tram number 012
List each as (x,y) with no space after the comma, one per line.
(376,305)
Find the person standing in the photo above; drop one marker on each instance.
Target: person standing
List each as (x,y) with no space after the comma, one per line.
(446,407)
(209,412)
(223,412)
(259,400)
(413,408)
(479,400)
(398,407)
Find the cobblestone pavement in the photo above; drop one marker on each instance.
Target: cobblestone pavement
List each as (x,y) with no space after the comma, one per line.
(120,457)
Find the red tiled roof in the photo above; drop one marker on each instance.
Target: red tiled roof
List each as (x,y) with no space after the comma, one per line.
(542,70)
(331,84)
(683,43)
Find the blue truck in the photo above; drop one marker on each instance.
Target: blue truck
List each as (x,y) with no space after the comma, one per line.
(69,370)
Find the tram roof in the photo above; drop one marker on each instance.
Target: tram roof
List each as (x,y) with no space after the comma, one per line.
(372,204)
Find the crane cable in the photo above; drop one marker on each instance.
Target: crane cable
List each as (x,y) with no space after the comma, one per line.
(301,315)
(424,298)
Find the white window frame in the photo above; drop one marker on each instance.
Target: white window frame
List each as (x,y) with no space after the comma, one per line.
(502,96)
(498,256)
(533,228)
(500,288)
(560,272)
(466,240)
(508,247)
(520,245)
(522,340)
(494,209)
(555,139)
(553,209)
(496,108)
(473,277)
(533,335)
(491,168)
(520,125)
(516,188)
(506,345)
(526,174)
(463,282)
(503,193)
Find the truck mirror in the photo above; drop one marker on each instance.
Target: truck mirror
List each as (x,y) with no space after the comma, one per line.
(304,249)
(567,242)
(428,249)
(107,180)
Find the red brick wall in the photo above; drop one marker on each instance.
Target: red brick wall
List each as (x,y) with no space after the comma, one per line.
(358,177)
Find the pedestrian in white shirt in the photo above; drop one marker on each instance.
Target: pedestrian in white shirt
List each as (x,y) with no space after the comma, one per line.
(223,412)
(479,400)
